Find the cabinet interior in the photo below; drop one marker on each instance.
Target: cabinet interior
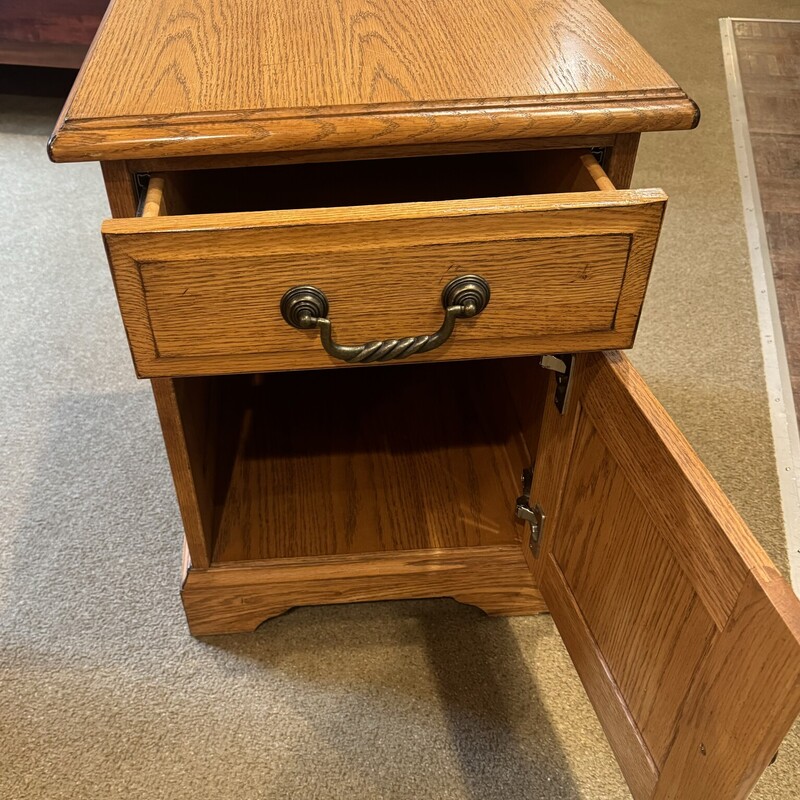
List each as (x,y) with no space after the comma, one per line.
(365,459)
(389,180)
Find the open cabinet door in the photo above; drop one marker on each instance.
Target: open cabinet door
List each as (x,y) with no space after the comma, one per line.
(685,636)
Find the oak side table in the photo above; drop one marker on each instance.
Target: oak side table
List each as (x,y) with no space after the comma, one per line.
(377,258)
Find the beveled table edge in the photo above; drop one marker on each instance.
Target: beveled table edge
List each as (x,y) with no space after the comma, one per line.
(275,130)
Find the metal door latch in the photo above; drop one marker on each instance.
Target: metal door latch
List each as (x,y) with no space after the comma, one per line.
(141,182)
(533,516)
(562,365)
(599,154)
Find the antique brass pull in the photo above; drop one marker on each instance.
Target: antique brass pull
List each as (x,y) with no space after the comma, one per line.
(306,307)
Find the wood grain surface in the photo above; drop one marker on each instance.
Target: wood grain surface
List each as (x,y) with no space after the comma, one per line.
(370,485)
(606,534)
(121,189)
(621,159)
(383,459)
(200,294)
(239,598)
(636,763)
(685,637)
(557,431)
(744,697)
(186,409)
(188,428)
(237,76)
(354,154)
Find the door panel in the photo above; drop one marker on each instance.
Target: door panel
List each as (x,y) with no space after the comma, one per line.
(743,700)
(686,638)
(655,633)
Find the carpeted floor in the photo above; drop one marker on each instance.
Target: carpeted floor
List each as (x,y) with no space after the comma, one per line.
(102,691)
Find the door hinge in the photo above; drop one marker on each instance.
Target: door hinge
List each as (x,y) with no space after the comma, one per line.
(533,516)
(561,364)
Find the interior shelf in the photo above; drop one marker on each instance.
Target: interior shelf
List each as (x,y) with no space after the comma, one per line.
(371,459)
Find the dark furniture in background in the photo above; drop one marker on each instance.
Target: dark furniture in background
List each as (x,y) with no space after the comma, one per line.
(48,33)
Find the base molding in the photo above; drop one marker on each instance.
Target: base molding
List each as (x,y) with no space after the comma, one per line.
(238,597)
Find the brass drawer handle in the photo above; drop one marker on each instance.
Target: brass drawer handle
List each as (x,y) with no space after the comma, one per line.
(306,307)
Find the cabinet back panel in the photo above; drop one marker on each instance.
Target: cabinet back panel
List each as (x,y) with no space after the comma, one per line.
(372,459)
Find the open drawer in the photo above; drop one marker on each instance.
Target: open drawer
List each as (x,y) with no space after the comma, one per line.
(435,258)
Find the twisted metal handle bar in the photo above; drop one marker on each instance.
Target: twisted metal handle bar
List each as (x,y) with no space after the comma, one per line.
(306,307)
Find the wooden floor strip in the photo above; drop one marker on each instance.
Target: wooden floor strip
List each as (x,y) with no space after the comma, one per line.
(762,62)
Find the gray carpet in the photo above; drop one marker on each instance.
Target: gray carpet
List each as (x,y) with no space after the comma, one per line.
(102,691)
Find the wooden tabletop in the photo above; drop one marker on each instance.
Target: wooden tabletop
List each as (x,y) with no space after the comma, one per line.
(183,77)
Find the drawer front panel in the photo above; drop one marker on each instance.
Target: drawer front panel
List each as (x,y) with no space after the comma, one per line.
(201,294)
